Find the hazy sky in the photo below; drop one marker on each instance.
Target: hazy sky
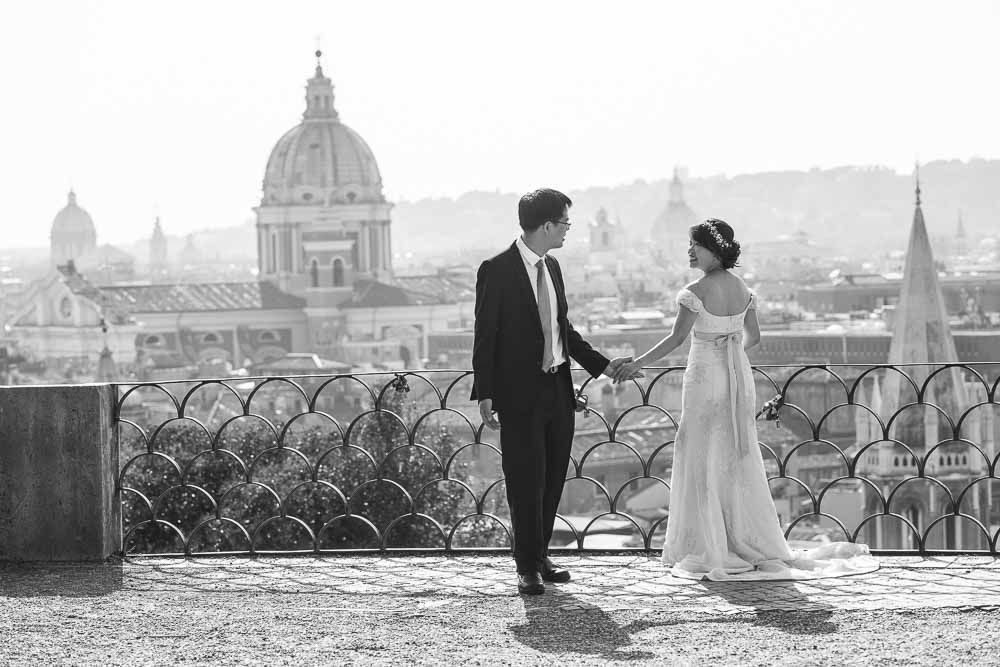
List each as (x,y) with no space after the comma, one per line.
(173,107)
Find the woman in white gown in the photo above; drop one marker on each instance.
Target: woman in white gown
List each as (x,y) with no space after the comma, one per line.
(722,522)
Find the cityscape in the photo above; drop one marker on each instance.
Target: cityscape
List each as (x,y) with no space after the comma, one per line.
(328,292)
(500,334)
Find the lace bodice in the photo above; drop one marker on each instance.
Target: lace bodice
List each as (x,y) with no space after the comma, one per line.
(707,323)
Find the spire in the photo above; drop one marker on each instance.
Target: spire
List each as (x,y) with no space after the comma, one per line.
(921,335)
(319,94)
(916,171)
(676,188)
(960,232)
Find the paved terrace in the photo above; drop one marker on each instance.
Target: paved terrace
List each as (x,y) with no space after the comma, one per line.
(448,609)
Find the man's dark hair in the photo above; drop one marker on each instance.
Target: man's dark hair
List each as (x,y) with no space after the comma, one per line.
(540,206)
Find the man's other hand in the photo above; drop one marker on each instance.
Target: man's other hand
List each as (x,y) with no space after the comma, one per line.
(486,412)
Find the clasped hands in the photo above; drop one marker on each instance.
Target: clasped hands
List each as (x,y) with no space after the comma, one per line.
(621,369)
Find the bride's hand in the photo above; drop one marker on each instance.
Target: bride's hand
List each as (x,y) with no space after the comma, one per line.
(627,371)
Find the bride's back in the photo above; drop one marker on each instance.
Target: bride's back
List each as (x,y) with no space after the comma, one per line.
(722,293)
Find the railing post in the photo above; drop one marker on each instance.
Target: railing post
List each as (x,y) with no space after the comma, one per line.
(58,470)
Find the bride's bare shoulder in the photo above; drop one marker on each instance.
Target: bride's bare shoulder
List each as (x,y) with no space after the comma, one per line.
(697,286)
(739,283)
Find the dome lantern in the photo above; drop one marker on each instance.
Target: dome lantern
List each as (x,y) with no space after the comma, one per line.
(319,94)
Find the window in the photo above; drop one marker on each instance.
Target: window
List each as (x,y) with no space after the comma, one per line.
(211,339)
(268,337)
(273,264)
(338,272)
(152,341)
(351,196)
(314,273)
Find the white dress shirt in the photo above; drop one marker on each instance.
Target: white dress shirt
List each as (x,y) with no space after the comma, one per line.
(530,265)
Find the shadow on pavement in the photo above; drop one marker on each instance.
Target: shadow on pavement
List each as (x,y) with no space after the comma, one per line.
(561,623)
(25,580)
(798,614)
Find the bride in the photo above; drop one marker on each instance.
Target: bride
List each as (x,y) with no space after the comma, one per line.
(722,522)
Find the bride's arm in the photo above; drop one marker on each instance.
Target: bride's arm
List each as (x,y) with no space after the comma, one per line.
(682,326)
(751,330)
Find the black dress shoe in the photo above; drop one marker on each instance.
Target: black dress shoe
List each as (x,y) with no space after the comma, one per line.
(529,583)
(551,573)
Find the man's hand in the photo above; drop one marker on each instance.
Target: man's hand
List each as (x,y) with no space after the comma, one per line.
(614,364)
(486,412)
(627,371)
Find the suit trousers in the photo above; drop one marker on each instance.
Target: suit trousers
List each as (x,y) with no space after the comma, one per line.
(535,447)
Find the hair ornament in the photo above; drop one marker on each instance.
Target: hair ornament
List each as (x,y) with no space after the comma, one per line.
(710,225)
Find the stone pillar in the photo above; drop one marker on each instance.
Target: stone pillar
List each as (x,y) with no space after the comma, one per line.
(58,467)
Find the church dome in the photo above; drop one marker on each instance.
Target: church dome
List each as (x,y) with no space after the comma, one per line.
(321,161)
(675,220)
(75,222)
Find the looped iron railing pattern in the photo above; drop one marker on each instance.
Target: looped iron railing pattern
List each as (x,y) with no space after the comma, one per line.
(903,458)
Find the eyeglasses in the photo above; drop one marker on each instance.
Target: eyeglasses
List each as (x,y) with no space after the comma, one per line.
(561,222)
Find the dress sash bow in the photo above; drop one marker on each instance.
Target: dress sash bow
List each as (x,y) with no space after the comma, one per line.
(732,343)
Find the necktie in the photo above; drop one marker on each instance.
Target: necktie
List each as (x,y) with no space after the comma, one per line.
(544,314)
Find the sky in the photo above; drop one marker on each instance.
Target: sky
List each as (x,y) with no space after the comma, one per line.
(172,108)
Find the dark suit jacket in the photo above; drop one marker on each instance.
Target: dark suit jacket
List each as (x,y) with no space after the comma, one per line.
(507,352)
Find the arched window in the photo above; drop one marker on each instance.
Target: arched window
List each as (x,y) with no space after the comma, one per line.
(351,196)
(314,273)
(211,339)
(338,272)
(267,337)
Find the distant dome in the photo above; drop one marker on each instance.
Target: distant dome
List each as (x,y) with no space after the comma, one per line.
(321,160)
(73,233)
(74,220)
(675,220)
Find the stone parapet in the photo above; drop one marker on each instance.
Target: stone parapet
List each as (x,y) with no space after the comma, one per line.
(58,470)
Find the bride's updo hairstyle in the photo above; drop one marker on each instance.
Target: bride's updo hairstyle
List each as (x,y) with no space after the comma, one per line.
(717,236)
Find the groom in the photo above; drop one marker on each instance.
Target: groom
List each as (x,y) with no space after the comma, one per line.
(523,344)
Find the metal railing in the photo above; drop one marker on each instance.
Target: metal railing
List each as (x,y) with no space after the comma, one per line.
(903,458)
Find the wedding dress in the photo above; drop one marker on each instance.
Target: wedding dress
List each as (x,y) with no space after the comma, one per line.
(722,521)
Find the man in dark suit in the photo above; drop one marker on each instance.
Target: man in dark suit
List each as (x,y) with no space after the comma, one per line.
(521,358)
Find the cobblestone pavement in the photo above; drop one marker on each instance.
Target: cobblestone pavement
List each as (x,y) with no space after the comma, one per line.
(432,609)
(608,582)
